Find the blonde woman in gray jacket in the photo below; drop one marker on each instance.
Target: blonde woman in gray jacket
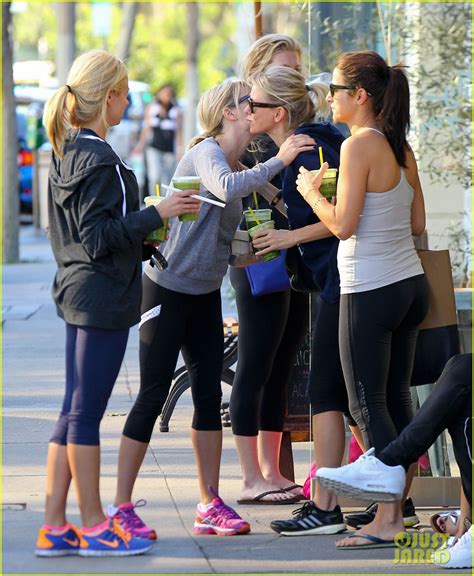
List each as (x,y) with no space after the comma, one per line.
(181,308)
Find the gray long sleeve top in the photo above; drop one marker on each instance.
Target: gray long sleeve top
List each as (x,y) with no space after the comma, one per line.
(198,251)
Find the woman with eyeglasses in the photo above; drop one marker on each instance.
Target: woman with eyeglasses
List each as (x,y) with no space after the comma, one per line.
(281,104)
(258,401)
(384,294)
(181,307)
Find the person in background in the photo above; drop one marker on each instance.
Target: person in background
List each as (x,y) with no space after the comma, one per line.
(161,137)
(381,474)
(97,236)
(258,400)
(181,308)
(380,206)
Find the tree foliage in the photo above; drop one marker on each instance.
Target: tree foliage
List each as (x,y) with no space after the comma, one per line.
(158,49)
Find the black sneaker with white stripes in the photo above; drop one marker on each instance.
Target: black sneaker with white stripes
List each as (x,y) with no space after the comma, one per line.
(308,520)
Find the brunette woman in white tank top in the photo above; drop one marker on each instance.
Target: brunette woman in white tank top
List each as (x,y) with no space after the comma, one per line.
(383,289)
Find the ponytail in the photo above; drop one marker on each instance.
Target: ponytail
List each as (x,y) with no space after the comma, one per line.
(394,117)
(389,94)
(56,118)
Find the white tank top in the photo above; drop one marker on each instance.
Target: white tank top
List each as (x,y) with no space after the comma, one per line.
(381,252)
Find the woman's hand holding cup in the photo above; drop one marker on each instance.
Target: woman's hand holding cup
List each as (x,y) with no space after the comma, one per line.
(180,202)
(309,181)
(266,241)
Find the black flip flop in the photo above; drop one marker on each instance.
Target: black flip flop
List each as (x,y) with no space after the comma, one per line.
(259,499)
(374,542)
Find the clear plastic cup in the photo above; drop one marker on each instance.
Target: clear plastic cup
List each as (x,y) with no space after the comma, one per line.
(158,235)
(268,225)
(328,186)
(187,183)
(263,215)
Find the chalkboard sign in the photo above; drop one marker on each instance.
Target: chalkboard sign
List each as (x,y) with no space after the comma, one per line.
(298,417)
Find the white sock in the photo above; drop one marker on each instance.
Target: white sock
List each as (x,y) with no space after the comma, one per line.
(204,507)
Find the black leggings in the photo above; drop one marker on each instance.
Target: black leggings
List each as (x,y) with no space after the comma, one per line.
(192,324)
(449,406)
(327,389)
(93,360)
(377,335)
(272,328)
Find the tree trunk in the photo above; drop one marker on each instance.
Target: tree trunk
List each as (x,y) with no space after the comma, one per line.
(129,13)
(66,39)
(192,89)
(10,196)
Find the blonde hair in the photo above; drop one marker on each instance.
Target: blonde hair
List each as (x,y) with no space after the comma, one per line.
(263,51)
(287,87)
(211,107)
(84,96)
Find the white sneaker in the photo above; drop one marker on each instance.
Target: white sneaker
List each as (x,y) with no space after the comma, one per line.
(367,478)
(459,555)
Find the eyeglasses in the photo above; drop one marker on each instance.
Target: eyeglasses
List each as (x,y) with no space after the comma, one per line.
(253,105)
(243,98)
(333,88)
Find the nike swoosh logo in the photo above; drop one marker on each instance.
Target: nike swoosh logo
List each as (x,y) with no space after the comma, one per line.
(71,542)
(110,544)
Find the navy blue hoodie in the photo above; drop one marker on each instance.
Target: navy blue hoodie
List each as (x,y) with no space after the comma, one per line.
(320,256)
(96,234)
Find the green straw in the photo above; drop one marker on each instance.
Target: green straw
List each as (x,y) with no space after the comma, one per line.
(255,199)
(254,215)
(321,155)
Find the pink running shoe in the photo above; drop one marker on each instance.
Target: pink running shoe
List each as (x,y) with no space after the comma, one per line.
(130,521)
(220,519)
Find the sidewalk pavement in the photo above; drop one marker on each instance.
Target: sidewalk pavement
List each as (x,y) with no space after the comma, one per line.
(33,375)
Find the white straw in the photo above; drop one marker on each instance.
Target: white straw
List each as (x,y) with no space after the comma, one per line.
(201,198)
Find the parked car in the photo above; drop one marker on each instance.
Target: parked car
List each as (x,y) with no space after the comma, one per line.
(25,162)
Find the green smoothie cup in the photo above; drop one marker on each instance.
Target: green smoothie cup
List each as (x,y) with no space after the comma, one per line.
(268,225)
(187,183)
(263,215)
(328,186)
(158,235)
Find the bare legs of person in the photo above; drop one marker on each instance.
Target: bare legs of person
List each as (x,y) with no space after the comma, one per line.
(329,444)
(262,480)
(207,449)
(82,463)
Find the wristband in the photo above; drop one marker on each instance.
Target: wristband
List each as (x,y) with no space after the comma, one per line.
(313,206)
(276,198)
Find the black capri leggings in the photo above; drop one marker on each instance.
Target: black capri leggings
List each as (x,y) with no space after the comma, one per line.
(272,328)
(327,389)
(377,335)
(172,321)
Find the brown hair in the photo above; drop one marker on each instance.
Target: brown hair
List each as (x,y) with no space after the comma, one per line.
(389,93)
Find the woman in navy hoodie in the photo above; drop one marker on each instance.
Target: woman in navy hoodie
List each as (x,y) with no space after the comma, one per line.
(281,104)
(97,235)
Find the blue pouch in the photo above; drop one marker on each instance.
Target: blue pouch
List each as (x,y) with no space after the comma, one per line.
(268,277)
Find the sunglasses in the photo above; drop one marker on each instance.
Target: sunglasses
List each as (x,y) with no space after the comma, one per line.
(252,105)
(333,88)
(243,98)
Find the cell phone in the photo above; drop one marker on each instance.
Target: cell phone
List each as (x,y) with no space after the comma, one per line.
(157,259)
